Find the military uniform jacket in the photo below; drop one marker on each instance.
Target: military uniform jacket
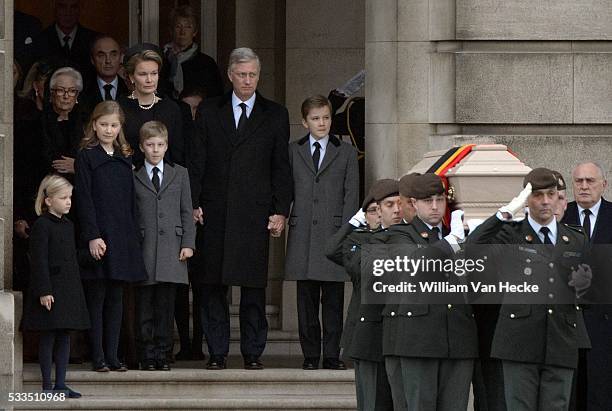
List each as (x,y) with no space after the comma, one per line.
(362,332)
(426,330)
(542,334)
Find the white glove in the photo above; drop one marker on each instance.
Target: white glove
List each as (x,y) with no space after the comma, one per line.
(456,226)
(517,202)
(472,223)
(358,219)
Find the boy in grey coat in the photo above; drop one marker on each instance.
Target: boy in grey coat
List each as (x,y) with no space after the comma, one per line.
(326,193)
(164,215)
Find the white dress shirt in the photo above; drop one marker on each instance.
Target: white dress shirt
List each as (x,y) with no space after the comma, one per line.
(238,110)
(102,83)
(149,168)
(552,226)
(323,142)
(592,217)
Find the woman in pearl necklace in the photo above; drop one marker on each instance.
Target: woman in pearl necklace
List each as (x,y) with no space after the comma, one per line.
(143,67)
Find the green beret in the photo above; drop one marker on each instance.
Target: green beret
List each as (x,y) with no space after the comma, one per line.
(560,181)
(367,201)
(426,185)
(540,178)
(381,189)
(406,184)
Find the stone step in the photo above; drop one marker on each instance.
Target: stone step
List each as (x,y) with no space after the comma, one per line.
(279,343)
(198,382)
(157,402)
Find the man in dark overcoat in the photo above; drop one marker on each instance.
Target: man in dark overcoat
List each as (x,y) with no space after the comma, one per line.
(241,188)
(594,213)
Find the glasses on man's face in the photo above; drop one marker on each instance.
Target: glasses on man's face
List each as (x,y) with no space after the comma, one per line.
(70,92)
(243,75)
(372,210)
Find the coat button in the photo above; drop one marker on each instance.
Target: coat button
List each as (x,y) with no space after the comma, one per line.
(161,232)
(392,313)
(317,180)
(362,319)
(550,311)
(512,315)
(577,308)
(450,306)
(528,260)
(551,296)
(159,197)
(551,265)
(551,280)
(161,215)
(409,313)
(314,222)
(574,325)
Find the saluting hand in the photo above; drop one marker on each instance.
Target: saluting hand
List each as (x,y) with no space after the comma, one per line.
(46,301)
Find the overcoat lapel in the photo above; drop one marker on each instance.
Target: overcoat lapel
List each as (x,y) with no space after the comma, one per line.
(141,175)
(331,152)
(304,151)
(169,175)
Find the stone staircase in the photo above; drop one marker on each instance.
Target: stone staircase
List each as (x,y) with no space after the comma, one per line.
(188,386)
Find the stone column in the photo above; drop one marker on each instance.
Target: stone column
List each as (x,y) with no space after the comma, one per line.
(534,76)
(10,305)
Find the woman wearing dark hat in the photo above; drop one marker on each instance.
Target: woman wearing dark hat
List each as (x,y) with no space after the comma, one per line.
(143,66)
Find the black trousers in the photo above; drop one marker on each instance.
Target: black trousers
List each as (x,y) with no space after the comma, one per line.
(104,302)
(181,316)
(330,294)
(214,312)
(155,320)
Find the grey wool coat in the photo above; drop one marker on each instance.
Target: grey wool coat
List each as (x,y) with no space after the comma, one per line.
(165,222)
(322,203)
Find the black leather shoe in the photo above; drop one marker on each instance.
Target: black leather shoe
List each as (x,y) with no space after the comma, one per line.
(100,367)
(310,364)
(162,366)
(253,365)
(119,367)
(68,391)
(216,363)
(148,365)
(333,364)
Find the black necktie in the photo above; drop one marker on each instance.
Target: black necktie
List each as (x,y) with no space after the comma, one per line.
(586,223)
(545,231)
(107,92)
(242,120)
(316,155)
(436,234)
(155,179)
(66,45)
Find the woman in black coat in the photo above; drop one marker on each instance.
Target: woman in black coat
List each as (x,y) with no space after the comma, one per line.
(54,302)
(143,105)
(62,122)
(190,69)
(105,206)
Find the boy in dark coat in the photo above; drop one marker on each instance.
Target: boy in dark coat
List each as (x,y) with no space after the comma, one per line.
(325,195)
(164,215)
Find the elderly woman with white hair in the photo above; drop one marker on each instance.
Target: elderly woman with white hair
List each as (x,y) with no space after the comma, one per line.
(62,121)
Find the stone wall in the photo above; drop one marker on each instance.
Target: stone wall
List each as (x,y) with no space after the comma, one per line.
(533,75)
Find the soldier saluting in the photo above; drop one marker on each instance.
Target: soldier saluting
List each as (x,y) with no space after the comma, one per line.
(538,344)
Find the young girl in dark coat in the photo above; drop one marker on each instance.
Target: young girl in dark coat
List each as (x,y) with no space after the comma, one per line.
(55,302)
(105,205)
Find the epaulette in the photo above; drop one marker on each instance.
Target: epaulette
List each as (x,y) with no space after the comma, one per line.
(363,229)
(574,227)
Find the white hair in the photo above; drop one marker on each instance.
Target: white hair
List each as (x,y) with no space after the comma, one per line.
(242,55)
(67,71)
(596,164)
